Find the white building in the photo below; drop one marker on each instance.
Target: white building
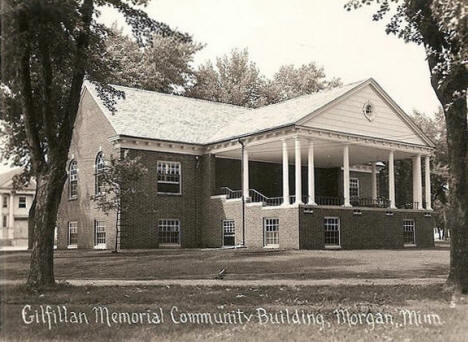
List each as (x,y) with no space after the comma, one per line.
(14,206)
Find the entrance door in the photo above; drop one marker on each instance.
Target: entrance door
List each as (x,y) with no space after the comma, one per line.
(229,233)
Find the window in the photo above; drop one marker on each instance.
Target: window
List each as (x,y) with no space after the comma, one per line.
(408,233)
(332,231)
(354,187)
(169,232)
(72,234)
(73,180)
(229,232)
(5,201)
(271,232)
(169,174)
(98,175)
(99,234)
(5,221)
(22,202)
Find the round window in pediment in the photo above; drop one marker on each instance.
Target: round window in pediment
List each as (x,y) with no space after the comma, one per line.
(369,111)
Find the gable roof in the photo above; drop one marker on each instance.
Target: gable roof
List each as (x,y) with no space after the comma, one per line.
(6,179)
(280,114)
(153,115)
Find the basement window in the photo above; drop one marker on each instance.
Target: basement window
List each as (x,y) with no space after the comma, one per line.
(332,231)
(169,232)
(271,232)
(408,233)
(169,176)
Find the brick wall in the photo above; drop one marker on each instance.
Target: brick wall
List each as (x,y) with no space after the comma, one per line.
(371,229)
(140,224)
(91,133)
(222,209)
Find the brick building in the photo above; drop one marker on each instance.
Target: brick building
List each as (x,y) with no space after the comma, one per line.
(298,174)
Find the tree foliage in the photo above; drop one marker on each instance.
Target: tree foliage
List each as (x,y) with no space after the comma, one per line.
(164,64)
(48,48)
(119,190)
(237,80)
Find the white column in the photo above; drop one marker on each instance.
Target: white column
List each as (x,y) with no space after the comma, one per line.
(427,181)
(298,172)
(10,209)
(11,220)
(311,174)
(245,175)
(346,176)
(285,173)
(391,180)
(417,181)
(374,181)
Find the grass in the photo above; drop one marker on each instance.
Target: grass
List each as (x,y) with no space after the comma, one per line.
(317,300)
(321,301)
(240,264)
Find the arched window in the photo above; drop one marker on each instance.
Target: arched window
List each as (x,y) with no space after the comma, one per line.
(99,170)
(73,179)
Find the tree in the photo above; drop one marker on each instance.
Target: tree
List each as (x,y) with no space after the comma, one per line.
(441,27)
(237,80)
(119,188)
(48,48)
(164,65)
(290,82)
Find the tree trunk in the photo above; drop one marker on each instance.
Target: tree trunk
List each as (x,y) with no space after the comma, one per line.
(457,141)
(49,189)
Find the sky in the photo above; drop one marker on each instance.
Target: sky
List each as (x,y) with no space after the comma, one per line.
(348,45)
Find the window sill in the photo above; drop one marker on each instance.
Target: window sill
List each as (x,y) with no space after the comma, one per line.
(409,245)
(271,246)
(169,194)
(72,246)
(73,198)
(169,245)
(100,246)
(332,247)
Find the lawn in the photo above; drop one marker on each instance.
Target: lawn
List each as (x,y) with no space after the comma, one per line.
(240,264)
(447,320)
(443,316)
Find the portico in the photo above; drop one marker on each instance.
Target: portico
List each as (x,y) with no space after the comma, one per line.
(303,147)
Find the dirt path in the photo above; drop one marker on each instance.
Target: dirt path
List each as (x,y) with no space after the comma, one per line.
(245,283)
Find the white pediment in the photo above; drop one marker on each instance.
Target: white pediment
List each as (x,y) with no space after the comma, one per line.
(367,111)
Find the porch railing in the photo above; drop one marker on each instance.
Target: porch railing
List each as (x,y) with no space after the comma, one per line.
(329,200)
(257,197)
(230,194)
(370,202)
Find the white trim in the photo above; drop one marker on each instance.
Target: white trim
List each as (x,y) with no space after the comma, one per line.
(169,182)
(224,233)
(75,245)
(156,145)
(274,245)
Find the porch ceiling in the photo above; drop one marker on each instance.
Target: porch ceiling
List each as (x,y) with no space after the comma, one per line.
(326,153)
